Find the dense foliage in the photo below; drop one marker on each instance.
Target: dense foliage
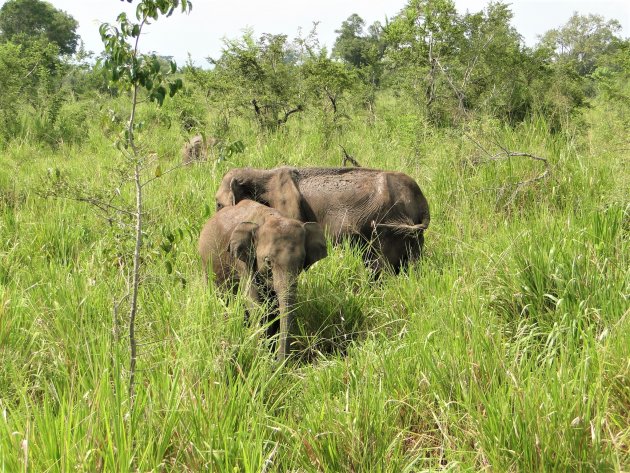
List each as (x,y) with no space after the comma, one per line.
(505,349)
(23,21)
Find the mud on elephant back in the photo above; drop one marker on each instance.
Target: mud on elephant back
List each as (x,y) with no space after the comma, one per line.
(253,245)
(384,211)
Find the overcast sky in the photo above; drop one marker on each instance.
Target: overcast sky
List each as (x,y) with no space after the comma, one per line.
(201,32)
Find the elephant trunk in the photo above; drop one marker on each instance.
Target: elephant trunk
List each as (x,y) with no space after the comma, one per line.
(286,289)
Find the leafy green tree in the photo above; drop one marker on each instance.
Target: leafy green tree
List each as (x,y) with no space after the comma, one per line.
(31,79)
(424,57)
(327,80)
(361,49)
(22,21)
(582,41)
(493,71)
(458,66)
(261,76)
(133,73)
(350,45)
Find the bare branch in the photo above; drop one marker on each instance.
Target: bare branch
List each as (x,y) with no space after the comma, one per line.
(474,62)
(347,157)
(169,170)
(460,95)
(32,70)
(333,100)
(479,145)
(506,155)
(99,204)
(430,92)
(299,108)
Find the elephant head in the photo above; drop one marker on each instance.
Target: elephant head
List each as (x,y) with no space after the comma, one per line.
(277,189)
(272,255)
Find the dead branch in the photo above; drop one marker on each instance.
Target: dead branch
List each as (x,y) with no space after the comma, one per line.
(333,100)
(169,170)
(430,92)
(347,157)
(259,115)
(281,121)
(479,145)
(506,155)
(32,70)
(460,94)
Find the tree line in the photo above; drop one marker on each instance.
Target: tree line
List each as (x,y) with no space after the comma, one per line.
(446,67)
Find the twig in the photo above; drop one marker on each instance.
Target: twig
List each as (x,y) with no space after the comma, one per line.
(299,108)
(506,154)
(99,204)
(32,70)
(174,168)
(477,143)
(269,460)
(347,157)
(460,95)
(333,100)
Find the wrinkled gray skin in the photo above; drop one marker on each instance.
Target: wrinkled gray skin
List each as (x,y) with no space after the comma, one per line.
(384,211)
(196,150)
(255,245)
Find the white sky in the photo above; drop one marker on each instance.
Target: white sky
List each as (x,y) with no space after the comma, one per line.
(200,33)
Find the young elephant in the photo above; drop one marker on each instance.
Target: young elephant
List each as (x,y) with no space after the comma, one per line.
(254,244)
(197,149)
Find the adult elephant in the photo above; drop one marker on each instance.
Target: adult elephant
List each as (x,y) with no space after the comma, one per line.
(383,210)
(253,244)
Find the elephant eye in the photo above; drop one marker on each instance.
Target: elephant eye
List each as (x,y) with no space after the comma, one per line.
(219,206)
(268,261)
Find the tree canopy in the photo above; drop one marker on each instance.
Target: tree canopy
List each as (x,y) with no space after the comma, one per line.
(582,41)
(22,21)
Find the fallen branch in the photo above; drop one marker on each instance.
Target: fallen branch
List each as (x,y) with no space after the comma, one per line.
(506,155)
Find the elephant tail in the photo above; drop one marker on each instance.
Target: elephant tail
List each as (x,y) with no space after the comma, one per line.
(424,223)
(402,228)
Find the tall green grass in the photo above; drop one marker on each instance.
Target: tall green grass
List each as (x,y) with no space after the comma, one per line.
(506,349)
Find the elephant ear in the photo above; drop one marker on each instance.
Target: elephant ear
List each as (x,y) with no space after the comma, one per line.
(238,190)
(241,245)
(282,193)
(314,243)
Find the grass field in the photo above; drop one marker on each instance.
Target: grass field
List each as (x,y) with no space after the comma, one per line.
(506,349)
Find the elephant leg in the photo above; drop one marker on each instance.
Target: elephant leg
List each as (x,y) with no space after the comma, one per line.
(373,262)
(249,288)
(273,326)
(396,251)
(413,246)
(376,257)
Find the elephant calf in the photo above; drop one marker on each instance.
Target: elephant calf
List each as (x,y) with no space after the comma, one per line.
(197,148)
(253,244)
